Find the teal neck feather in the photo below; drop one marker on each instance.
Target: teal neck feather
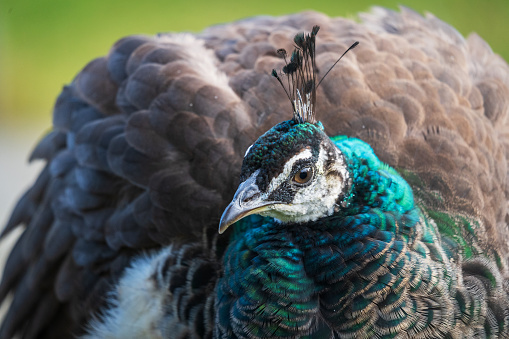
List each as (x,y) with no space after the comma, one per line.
(328,276)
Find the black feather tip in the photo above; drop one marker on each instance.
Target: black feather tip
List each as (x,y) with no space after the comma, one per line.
(301,75)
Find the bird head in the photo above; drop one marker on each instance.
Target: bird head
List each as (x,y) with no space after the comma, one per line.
(293,173)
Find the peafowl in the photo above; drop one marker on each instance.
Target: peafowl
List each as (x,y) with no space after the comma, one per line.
(378,210)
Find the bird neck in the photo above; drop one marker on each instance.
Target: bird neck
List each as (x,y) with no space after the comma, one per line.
(377,197)
(298,278)
(304,278)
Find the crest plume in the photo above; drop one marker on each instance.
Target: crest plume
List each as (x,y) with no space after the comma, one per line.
(301,75)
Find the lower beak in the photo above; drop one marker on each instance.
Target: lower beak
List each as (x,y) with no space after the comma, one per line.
(234,212)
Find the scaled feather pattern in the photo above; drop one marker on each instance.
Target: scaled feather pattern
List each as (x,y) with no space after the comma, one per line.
(406,237)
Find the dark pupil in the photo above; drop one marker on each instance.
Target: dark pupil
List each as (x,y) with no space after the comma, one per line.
(304,173)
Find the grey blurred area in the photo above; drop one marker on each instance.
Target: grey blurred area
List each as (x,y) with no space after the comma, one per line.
(16,173)
(16,143)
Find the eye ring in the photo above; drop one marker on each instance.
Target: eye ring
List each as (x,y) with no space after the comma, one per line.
(303,176)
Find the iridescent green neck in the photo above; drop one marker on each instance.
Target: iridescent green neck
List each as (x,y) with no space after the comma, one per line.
(291,275)
(377,190)
(375,268)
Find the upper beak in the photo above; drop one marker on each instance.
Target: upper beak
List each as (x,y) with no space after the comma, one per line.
(246,201)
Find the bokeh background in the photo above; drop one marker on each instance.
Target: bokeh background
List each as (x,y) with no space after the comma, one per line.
(44,43)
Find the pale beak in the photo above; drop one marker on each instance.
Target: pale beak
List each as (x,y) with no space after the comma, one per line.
(246,201)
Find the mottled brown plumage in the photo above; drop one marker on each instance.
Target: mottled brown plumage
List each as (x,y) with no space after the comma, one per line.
(148,144)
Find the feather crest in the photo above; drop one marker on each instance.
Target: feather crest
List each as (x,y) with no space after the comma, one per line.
(301,75)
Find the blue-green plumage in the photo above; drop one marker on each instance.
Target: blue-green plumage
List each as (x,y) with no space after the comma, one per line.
(376,267)
(296,275)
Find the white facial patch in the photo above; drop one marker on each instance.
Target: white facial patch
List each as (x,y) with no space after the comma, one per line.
(316,200)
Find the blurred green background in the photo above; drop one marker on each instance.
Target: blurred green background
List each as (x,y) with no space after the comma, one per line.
(44,43)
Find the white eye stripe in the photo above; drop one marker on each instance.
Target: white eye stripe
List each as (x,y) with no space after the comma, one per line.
(304,154)
(275,182)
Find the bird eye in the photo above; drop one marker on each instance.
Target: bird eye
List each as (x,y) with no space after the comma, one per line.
(303,176)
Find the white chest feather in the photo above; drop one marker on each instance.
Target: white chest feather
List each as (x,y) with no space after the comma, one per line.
(138,304)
